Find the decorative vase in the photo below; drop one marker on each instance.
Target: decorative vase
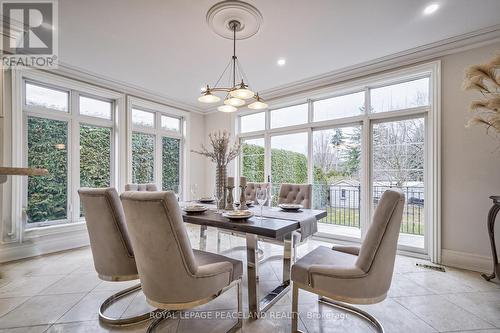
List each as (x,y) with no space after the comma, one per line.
(220,185)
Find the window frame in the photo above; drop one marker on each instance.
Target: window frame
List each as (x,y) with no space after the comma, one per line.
(432,161)
(19,223)
(159,133)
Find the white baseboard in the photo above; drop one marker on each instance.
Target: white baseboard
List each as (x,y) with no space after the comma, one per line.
(43,245)
(473,262)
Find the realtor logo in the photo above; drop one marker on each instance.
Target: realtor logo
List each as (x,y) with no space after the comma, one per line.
(29,33)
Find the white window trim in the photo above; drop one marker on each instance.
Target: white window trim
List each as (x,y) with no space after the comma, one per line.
(159,110)
(432,116)
(19,228)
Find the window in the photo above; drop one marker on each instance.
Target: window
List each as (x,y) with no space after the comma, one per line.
(339,107)
(289,158)
(44,97)
(47,148)
(171,163)
(253,122)
(170,123)
(95,156)
(400,96)
(398,162)
(252,160)
(351,148)
(337,181)
(143,158)
(71,135)
(95,108)
(143,118)
(289,116)
(157,145)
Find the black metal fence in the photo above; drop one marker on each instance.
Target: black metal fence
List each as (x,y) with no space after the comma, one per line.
(343,204)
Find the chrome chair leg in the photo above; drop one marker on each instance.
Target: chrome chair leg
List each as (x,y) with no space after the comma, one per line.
(122,321)
(354,310)
(159,318)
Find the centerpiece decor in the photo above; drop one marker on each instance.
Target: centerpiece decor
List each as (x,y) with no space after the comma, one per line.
(221,154)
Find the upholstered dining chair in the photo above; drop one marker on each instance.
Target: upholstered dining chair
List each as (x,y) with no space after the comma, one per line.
(251,191)
(173,275)
(296,194)
(354,275)
(111,248)
(141,187)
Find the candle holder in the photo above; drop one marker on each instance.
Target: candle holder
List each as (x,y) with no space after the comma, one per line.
(243,200)
(229,202)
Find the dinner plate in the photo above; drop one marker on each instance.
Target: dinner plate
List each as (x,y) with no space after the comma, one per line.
(290,207)
(195,209)
(238,214)
(206,200)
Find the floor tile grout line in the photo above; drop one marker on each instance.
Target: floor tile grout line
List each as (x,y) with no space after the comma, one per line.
(415,314)
(472,314)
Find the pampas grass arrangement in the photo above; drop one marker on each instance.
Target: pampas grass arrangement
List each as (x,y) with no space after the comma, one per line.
(485,78)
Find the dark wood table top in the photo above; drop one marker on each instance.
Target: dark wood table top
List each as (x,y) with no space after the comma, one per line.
(269,227)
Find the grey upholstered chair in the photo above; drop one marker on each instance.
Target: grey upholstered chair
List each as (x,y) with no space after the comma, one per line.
(173,275)
(141,187)
(111,248)
(351,274)
(251,191)
(296,194)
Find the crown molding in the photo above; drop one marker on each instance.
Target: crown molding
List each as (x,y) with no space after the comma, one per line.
(80,74)
(412,56)
(425,52)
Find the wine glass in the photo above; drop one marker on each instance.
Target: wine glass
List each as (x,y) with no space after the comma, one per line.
(194,191)
(261,196)
(177,191)
(217,199)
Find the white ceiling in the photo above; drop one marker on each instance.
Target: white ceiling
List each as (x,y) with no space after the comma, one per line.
(166,46)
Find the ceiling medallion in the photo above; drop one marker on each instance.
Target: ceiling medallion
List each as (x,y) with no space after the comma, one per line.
(233,20)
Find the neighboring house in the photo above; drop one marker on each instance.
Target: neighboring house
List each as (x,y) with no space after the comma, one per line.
(345,194)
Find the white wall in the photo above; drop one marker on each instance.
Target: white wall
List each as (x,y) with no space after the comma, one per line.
(470,166)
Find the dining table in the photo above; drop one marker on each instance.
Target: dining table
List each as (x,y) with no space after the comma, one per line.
(278,226)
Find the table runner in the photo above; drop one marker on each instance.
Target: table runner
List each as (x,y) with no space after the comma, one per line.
(308,224)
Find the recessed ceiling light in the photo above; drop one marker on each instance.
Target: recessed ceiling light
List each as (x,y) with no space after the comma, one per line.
(281,62)
(430,9)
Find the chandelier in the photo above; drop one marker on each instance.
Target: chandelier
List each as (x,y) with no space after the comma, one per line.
(237,93)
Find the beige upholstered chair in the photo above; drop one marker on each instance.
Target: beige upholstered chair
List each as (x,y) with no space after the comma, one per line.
(173,275)
(251,191)
(141,187)
(351,274)
(111,248)
(296,194)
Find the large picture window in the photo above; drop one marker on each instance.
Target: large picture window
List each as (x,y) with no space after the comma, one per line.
(156,145)
(70,133)
(351,147)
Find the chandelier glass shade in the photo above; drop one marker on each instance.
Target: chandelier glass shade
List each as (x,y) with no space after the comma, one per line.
(237,92)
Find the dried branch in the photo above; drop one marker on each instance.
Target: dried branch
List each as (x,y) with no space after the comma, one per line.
(221,153)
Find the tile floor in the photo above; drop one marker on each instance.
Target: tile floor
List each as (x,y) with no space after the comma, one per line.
(61,293)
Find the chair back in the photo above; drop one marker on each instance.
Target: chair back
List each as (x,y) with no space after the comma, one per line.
(165,259)
(378,250)
(107,229)
(251,191)
(296,194)
(141,187)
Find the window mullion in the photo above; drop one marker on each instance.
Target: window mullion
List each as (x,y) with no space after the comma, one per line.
(74,157)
